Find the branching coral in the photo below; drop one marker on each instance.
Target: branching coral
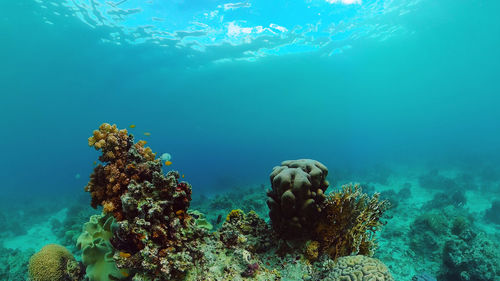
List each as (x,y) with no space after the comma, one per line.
(123,161)
(349,222)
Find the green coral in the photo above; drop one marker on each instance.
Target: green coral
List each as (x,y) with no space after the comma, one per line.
(97,251)
(359,268)
(200,221)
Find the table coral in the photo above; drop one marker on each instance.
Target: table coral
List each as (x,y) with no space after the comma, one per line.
(359,268)
(298,188)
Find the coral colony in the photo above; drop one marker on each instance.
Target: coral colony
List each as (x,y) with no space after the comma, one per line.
(147,232)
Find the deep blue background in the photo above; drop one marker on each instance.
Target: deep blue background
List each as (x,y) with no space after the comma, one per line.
(429,95)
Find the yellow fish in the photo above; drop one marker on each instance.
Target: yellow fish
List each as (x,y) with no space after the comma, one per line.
(132,126)
(182,175)
(147,134)
(168,163)
(95,162)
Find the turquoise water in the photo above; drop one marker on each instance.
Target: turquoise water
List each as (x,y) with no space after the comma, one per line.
(231,89)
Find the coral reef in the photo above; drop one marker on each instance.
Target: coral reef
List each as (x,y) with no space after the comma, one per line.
(430,230)
(349,221)
(157,232)
(146,231)
(473,257)
(359,268)
(450,238)
(154,237)
(247,231)
(298,188)
(54,263)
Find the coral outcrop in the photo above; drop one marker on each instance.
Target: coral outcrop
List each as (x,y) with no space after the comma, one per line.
(359,268)
(154,237)
(54,263)
(294,202)
(343,222)
(123,161)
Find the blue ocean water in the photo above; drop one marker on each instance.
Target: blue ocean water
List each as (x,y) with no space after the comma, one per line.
(232,89)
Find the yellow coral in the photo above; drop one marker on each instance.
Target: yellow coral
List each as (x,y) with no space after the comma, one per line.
(108,207)
(349,222)
(107,136)
(145,151)
(312,250)
(49,264)
(235,215)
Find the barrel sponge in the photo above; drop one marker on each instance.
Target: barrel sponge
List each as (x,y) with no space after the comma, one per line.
(298,188)
(359,268)
(50,263)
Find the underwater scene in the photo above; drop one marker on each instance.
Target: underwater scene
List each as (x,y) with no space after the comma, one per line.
(207,140)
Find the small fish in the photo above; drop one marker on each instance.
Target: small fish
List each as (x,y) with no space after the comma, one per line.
(132,126)
(219,218)
(168,163)
(95,163)
(147,134)
(182,175)
(125,255)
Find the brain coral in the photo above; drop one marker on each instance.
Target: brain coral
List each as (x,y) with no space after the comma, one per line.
(359,268)
(298,188)
(50,264)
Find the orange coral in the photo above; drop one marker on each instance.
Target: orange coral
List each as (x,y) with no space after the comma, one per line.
(109,181)
(349,222)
